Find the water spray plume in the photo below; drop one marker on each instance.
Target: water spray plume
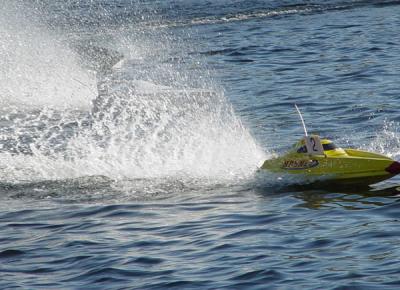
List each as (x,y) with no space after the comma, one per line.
(150,117)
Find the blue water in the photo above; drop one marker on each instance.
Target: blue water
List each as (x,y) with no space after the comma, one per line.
(157,187)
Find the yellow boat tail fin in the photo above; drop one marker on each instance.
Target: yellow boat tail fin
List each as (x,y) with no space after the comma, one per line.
(314,145)
(363,153)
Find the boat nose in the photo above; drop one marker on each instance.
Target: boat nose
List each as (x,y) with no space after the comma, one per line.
(393,168)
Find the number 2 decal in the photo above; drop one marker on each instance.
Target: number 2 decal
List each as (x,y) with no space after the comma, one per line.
(313,144)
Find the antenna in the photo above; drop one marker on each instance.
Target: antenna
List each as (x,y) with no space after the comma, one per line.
(302,120)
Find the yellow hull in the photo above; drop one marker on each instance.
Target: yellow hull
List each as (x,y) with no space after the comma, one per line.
(351,164)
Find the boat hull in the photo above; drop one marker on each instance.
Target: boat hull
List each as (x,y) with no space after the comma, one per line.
(356,164)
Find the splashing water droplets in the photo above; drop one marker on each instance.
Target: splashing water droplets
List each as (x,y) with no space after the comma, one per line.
(157,114)
(387,141)
(37,68)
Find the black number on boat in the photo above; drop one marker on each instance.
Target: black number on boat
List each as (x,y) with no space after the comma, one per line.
(313,144)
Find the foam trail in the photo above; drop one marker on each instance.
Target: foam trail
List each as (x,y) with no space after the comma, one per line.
(147,122)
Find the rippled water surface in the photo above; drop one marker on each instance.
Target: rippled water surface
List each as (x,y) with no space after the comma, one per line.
(131,133)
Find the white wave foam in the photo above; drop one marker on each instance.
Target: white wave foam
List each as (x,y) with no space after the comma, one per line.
(150,138)
(140,128)
(251,15)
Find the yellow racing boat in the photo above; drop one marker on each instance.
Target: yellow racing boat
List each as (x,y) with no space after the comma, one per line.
(316,157)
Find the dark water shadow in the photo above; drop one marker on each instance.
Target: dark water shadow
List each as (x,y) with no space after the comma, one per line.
(351,195)
(83,189)
(99,189)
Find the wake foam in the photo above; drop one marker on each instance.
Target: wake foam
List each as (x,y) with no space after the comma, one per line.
(141,134)
(148,121)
